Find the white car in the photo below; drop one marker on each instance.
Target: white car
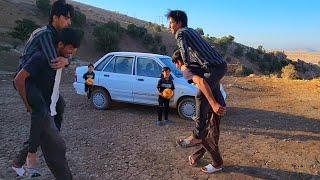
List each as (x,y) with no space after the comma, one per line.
(132,77)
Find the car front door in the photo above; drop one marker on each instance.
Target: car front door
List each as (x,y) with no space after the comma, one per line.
(147,73)
(117,78)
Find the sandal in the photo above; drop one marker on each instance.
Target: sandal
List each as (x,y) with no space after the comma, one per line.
(210,169)
(185,143)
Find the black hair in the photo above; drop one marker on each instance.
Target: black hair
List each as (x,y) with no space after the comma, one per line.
(69,36)
(90,65)
(176,57)
(178,16)
(165,69)
(60,7)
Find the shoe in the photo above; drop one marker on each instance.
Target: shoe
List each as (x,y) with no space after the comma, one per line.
(168,121)
(159,123)
(19,170)
(32,172)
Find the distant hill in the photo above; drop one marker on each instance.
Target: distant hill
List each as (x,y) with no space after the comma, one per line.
(307,56)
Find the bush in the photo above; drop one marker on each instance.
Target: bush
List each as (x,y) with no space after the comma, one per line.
(23,29)
(243,71)
(289,72)
(106,39)
(238,52)
(163,50)
(79,19)
(44,6)
(157,28)
(135,31)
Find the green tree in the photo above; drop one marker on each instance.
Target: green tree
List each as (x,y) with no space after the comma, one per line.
(163,50)
(79,19)
(106,39)
(44,6)
(238,52)
(23,29)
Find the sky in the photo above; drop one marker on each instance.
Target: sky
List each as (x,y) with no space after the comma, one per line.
(274,24)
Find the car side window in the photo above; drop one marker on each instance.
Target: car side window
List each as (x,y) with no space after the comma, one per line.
(123,65)
(100,66)
(148,67)
(109,67)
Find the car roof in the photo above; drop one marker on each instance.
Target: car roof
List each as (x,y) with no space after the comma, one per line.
(138,54)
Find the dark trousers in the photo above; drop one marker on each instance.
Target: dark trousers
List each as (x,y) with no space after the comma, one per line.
(207,122)
(88,90)
(44,132)
(163,107)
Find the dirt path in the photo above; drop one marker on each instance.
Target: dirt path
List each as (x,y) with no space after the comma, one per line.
(271,131)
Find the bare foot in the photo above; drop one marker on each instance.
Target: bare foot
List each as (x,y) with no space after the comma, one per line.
(31,160)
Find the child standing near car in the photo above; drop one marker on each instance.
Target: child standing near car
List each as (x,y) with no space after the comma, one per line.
(165,83)
(89,77)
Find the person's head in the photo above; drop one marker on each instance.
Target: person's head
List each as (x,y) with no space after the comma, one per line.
(90,67)
(177,59)
(61,14)
(165,72)
(177,19)
(67,42)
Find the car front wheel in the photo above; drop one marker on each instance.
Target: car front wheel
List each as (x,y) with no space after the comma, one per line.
(187,108)
(100,99)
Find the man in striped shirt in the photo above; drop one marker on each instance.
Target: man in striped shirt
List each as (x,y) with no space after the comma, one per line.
(44,39)
(205,69)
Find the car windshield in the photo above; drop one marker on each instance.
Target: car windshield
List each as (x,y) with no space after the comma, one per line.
(168,62)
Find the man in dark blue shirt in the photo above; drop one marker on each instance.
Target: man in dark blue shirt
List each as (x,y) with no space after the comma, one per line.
(43,39)
(206,69)
(35,84)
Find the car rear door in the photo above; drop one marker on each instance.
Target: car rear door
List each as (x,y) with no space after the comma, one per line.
(117,78)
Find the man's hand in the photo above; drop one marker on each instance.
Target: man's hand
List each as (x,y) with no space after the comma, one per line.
(220,110)
(59,62)
(28,108)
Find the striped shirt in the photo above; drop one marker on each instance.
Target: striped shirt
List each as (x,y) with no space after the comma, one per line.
(41,39)
(191,43)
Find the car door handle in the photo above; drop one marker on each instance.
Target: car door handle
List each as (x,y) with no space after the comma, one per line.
(140,79)
(106,75)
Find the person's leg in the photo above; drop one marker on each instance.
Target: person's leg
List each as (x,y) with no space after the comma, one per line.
(202,108)
(20,159)
(211,141)
(89,91)
(166,108)
(160,108)
(60,110)
(54,150)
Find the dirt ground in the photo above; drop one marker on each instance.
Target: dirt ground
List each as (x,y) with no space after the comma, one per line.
(271,131)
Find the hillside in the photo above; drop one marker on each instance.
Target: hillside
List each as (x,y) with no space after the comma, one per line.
(243,60)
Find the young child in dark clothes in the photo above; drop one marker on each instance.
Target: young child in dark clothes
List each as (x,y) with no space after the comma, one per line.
(89,77)
(165,82)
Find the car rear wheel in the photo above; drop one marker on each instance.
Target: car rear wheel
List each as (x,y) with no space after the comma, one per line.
(100,99)
(187,108)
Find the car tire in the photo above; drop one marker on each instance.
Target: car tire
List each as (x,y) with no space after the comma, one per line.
(187,108)
(100,99)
